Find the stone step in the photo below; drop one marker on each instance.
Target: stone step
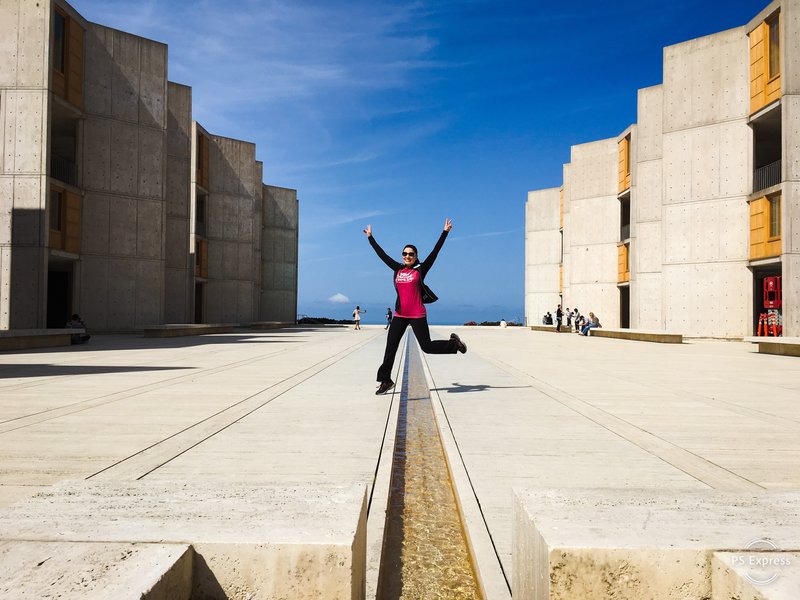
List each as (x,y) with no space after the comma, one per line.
(633,544)
(756,575)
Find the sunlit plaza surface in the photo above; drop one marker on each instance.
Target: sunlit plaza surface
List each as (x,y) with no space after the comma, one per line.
(296,408)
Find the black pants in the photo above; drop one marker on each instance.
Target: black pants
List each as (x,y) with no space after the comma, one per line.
(397,328)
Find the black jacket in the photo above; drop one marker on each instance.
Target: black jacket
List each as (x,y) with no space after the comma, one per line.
(423,267)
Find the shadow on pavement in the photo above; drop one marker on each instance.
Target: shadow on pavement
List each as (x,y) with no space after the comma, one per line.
(460,388)
(15,371)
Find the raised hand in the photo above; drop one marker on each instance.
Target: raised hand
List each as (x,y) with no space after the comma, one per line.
(368,231)
(448,224)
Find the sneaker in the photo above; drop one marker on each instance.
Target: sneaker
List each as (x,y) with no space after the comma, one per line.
(460,346)
(384,387)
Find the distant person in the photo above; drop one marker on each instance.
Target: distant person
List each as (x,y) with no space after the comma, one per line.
(569,319)
(75,322)
(357,317)
(503,323)
(559,317)
(409,308)
(388,318)
(575,316)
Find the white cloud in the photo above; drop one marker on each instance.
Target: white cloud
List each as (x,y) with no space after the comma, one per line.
(338,298)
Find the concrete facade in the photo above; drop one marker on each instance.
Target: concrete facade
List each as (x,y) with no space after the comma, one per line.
(97,186)
(692,162)
(279,238)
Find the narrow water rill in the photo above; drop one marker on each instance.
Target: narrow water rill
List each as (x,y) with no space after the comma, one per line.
(425,554)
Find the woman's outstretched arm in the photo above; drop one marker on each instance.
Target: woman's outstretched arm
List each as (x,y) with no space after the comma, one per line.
(428,262)
(387,260)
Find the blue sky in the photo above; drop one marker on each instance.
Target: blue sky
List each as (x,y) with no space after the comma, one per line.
(400,114)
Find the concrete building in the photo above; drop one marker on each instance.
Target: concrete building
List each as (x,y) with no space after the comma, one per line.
(690,218)
(114,203)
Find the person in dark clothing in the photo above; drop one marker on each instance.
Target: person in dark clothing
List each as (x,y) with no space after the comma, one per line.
(76,323)
(409,308)
(559,317)
(388,317)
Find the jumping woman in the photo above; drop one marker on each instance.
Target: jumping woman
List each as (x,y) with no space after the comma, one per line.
(409,308)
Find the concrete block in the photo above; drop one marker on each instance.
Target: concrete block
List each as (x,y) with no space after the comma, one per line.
(246,267)
(153,84)
(6,206)
(647,254)
(633,544)
(5,287)
(677,166)
(125,77)
(151,163)
(32,31)
(646,302)
(230,259)
(9,20)
(97,154)
(265,542)
(149,293)
(594,170)
(791,294)
(177,189)
(245,302)
(122,296)
(179,120)
(647,200)
(230,217)
(24,135)
(122,213)
(176,294)
(149,229)
(650,115)
(93,281)
(27,287)
(124,158)
(82,571)
(541,210)
(98,69)
(28,212)
(177,245)
(756,575)
(95,224)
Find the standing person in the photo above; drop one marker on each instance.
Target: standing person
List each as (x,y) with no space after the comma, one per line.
(388,318)
(559,317)
(409,308)
(569,319)
(357,317)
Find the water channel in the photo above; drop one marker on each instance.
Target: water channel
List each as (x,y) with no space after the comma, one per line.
(425,554)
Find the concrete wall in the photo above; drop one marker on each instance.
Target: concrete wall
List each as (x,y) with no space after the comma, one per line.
(279,235)
(234,210)
(178,278)
(542,254)
(707,149)
(646,259)
(790,114)
(124,176)
(594,230)
(24,106)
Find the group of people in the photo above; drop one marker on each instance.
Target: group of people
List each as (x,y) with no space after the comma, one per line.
(357,317)
(581,323)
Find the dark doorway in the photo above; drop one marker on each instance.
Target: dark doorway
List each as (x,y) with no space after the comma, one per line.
(198,303)
(759,308)
(59,298)
(625,307)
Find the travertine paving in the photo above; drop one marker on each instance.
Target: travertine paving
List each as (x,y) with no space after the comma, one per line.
(297,407)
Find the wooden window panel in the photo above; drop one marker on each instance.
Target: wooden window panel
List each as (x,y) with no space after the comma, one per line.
(72,230)
(75,65)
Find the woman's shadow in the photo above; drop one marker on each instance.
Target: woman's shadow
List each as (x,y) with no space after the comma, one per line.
(460,388)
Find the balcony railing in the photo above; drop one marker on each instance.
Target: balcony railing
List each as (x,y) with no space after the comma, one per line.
(624,232)
(62,169)
(767,176)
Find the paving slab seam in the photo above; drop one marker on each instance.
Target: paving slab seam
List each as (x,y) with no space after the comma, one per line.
(90,403)
(486,558)
(701,469)
(376,514)
(212,423)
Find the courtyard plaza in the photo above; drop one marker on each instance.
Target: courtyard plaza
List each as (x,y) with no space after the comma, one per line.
(296,407)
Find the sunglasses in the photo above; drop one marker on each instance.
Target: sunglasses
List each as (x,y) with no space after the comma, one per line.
(409,253)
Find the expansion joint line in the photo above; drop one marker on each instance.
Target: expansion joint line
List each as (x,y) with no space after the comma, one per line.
(466,471)
(331,360)
(692,464)
(395,393)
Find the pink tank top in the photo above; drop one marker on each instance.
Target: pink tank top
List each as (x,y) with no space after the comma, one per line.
(409,289)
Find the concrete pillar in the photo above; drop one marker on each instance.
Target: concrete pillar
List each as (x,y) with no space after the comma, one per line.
(279,236)
(542,254)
